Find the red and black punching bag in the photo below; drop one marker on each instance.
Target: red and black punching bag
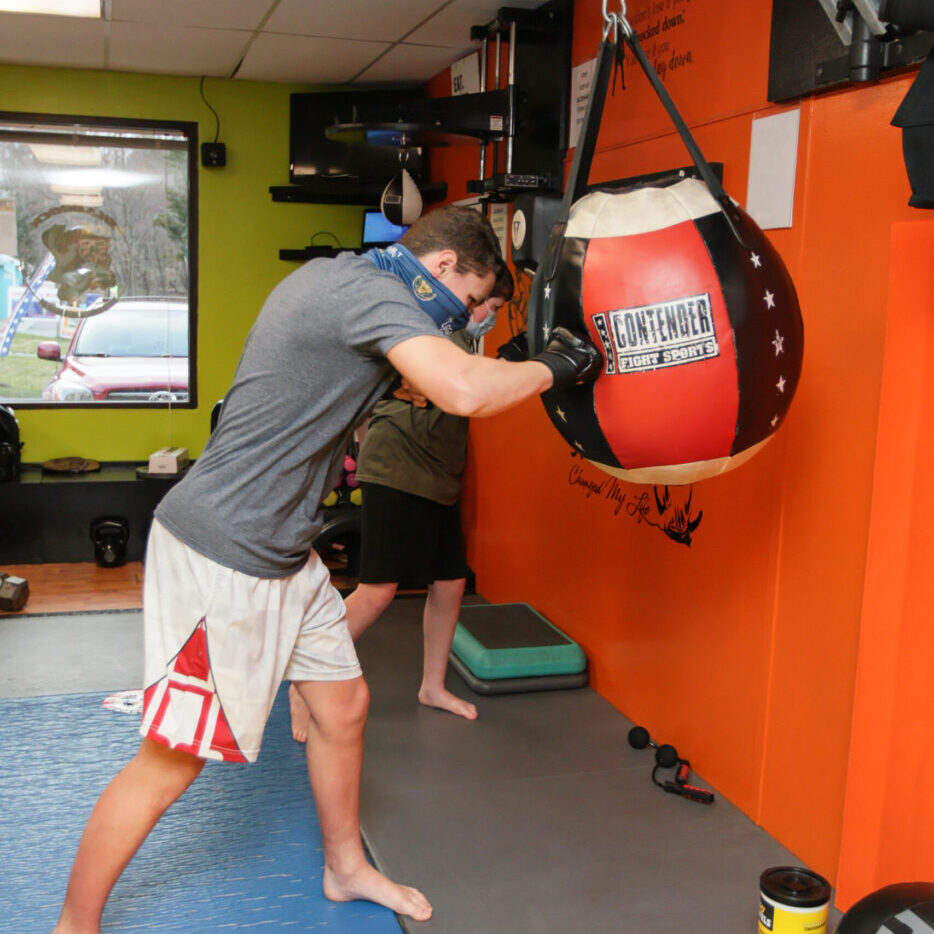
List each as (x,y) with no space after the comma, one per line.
(700,330)
(692,307)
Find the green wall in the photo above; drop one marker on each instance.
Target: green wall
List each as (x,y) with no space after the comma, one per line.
(240,233)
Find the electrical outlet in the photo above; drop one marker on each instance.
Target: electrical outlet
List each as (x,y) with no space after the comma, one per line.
(213,155)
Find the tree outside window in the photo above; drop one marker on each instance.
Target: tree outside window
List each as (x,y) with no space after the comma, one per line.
(97,281)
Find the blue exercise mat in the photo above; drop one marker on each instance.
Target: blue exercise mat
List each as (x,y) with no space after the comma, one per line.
(240,850)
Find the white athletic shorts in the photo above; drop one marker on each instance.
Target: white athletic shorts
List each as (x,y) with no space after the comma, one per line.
(219,643)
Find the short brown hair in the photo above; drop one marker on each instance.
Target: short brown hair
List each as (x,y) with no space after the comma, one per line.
(465,231)
(505,285)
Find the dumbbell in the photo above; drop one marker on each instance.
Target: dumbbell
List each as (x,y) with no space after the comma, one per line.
(665,755)
(13,592)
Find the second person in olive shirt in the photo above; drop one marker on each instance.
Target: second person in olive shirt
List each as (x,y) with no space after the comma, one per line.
(410,469)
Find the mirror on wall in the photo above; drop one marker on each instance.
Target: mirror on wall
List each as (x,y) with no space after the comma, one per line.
(97,261)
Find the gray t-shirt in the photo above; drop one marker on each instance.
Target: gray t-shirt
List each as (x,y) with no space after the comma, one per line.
(312,367)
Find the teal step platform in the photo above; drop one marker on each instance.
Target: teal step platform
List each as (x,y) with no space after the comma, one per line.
(504,648)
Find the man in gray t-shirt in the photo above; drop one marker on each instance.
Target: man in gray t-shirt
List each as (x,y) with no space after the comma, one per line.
(235,598)
(312,368)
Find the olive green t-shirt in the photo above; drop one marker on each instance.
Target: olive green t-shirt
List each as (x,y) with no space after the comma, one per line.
(416,450)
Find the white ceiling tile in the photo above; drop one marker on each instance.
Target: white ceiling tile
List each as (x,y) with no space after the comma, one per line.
(175,50)
(405,62)
(306,59)
(304,41)
(351,19)
(452,24)
(57,41)
(217,14)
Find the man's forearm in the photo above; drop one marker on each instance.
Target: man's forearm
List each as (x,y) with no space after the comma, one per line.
(498,385)
(465,384)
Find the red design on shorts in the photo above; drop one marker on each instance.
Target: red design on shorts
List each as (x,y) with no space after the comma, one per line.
(182,709)
(193,658)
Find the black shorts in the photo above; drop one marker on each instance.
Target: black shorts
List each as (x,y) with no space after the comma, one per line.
(408,540)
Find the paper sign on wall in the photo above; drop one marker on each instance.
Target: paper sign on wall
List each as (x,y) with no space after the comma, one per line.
(465,76)
(499,220)
(581,79)
(773,163)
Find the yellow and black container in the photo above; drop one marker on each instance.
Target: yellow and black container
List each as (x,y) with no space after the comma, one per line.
(793,901)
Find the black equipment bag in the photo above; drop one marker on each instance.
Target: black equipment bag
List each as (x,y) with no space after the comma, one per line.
(10,445)
(915,116)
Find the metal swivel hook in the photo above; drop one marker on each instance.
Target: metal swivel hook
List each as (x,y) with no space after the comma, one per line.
(615,21)
(609,22)
(621,20)
(404,144)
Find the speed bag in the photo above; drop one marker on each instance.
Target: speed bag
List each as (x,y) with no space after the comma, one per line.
(698,322)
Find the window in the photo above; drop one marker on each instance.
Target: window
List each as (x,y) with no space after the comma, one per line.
(97,262)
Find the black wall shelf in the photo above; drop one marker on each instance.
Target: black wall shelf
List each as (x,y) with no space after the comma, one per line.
(313,252)
(340,191)
(348,191)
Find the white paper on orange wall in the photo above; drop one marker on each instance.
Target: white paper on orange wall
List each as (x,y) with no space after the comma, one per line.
(465,75)
(581,79)
(773,164)
(499,220)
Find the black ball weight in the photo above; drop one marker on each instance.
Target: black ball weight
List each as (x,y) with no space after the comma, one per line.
(639,737)
(666,756)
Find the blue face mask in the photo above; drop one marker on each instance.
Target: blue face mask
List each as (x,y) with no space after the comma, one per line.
(476,329)
(435,299)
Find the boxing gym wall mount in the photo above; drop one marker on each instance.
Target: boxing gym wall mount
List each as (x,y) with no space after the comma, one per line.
(525,115)
(820,45)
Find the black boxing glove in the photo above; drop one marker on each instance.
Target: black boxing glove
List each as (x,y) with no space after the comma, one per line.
(571,358)
(515,350)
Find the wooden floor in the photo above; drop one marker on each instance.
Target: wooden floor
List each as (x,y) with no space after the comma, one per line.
(68,588)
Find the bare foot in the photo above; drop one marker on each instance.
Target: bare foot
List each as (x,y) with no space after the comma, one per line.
(300,715)
(445,700)
(370,884)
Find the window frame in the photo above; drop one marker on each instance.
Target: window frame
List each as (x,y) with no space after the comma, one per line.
(190,130)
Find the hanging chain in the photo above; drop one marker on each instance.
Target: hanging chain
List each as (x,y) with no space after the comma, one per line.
(623,22)
(615,22)
(609,22)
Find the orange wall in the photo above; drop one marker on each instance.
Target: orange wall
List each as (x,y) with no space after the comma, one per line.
(740,648)
(888,831)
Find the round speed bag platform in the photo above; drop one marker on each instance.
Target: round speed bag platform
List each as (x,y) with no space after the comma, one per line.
(701,334)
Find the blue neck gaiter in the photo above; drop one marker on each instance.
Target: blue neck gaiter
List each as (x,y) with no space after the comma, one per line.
(436,300)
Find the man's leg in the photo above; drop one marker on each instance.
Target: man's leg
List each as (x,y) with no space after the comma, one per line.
(335,758)
(439,622)
(129,808)
(299,714)
(364,606)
